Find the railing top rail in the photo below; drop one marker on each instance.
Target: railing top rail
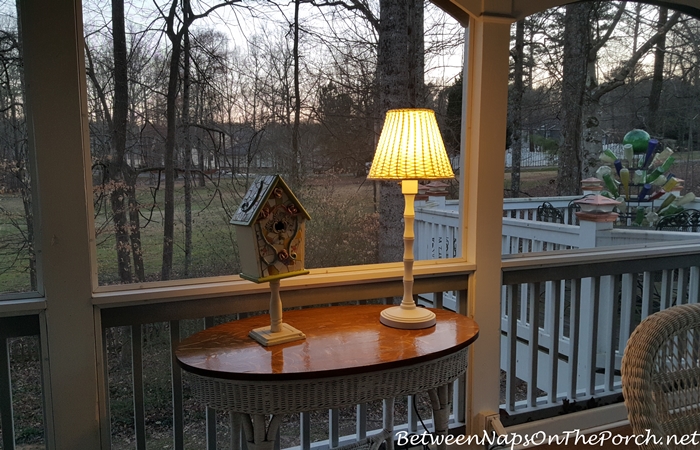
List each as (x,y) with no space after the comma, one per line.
(534,224)
(533,202)
(22,307)
(582,263)
(422,212)
(318,288)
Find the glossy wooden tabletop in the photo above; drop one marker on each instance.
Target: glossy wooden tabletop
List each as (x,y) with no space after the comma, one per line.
(339,340)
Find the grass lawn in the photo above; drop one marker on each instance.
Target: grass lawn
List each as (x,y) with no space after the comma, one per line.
(341,231)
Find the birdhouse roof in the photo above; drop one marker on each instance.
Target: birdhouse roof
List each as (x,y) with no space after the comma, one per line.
(258,194)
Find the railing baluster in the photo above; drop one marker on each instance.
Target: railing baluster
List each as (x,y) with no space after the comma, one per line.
(511,347)
(574,315)
(592,361)
(105,432)
(681,286)
(176,376)
(554,346)
(305,430)
(8,431)
(666,280)
(549,298)
(537,246)
(412,417)
(607,292)
(694,287)
(647,286)
(562,308)
(524,304)
(361,421)
(137,373)
(46,386)
(437,300)
(333,427)
(210,413)
(629,296)
(533,344)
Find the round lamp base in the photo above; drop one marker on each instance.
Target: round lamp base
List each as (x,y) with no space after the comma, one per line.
(407,318)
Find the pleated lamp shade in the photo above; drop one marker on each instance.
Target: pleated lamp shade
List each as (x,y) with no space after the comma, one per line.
(410,148)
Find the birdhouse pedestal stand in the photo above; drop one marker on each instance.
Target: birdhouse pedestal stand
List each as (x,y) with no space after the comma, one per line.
(278,332)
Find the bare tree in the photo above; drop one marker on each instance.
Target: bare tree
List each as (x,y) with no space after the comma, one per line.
(583,96)
(178,19)
(658,76)
(576,50)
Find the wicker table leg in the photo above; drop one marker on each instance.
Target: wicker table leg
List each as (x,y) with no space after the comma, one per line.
(258,435)
(441,401)
(388,422)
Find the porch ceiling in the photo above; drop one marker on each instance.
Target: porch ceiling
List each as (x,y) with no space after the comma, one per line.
(518,9)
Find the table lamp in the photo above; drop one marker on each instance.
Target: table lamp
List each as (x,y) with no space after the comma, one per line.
(410,148)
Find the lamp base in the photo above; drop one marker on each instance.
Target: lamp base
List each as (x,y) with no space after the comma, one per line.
(267,338)
(407,318)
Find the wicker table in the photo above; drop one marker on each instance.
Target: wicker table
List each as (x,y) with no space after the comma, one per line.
(347,358)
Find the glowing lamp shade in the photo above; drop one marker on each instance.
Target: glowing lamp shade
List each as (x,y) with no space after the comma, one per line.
(410,149)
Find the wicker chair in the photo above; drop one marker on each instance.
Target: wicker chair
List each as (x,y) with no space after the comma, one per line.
(661,377)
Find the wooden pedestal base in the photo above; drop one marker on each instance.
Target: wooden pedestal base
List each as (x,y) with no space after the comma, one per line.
(266,337)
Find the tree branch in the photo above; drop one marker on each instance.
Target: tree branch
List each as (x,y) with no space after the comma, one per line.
(623,72)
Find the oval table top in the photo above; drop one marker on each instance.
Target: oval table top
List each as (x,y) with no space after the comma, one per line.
(340,340)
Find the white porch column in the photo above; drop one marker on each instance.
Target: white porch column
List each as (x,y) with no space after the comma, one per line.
(52,36)
(482,191)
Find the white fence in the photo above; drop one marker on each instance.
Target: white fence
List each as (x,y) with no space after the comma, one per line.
(532,159)
(545,159)
(584,301)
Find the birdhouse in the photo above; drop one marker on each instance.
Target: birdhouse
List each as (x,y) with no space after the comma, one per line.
(270,227)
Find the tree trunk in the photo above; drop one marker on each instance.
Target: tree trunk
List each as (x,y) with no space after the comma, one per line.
(135,231)
(416,54)
(592,139)
(169,166)
(653,125)
(576,52)
(120,113)
(187,144)
(516,111)
(175,37)
(393,60)
(296,154)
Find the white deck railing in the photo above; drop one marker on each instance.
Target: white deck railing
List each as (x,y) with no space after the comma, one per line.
(567,316)
(585,302)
